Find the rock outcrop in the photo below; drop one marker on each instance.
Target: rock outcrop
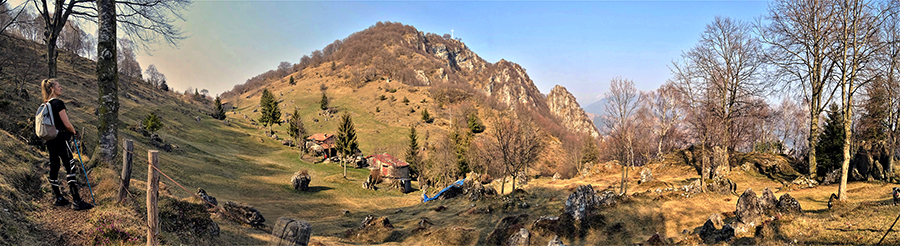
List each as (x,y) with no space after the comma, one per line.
(291,232)
(563,105)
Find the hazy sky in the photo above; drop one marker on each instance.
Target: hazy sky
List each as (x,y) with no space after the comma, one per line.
(580,45)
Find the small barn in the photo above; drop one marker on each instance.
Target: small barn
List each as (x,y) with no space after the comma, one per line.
(324,140)
(390,167)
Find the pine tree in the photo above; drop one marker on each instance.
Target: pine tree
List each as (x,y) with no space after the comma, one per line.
(152,123)
(295,127)
(412,153)
(292,82)
(346,139)
(474,124)
(829,150)
(219,114)
(270,113)
(426,117)
(323,104)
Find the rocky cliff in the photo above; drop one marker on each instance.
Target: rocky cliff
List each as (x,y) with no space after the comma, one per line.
(564,106)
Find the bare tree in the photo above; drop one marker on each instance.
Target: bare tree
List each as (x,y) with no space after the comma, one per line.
(621,110)
(855,50)
(154,76)
(721,72)
(664,107)
(516,142)
(889,60)
(142,20)
(74,39)
(800,37)
(127,59)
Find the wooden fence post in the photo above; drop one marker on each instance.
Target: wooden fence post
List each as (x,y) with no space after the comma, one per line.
(126,169)
(152,196)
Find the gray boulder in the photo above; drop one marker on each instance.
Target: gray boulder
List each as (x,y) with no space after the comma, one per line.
(291,232)
(832,177)
(555,242)
(521,238)
(748,208)
(580,201)
(788,205)
(767,201)
(244,213)
(300,180)
(210,200)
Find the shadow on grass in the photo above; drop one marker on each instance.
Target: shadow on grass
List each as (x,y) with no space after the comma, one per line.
(318,188)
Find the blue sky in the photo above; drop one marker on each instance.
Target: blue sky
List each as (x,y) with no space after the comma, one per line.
(580,45)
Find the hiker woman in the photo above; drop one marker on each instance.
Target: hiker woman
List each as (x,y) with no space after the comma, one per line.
(59,147)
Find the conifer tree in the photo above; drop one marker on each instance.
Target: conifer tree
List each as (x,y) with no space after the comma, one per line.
(412,153)
(426,117)
(152,123)
(292,82)
(474,124)
(346,139)
(829,150)
(270,113)
(219,114)
(295,127)
(323,104)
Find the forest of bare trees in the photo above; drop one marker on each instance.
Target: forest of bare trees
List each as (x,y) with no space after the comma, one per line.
(720,95)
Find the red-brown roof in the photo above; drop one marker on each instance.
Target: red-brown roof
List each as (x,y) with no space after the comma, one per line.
(390,160)
(320,136)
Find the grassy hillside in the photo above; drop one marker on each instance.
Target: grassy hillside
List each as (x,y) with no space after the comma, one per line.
(237,162)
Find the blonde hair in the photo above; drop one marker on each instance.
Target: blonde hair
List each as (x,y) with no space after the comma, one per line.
(47,88)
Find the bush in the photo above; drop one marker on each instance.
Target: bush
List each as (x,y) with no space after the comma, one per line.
(106,231)
(382,97)
(405,100)
(376,176)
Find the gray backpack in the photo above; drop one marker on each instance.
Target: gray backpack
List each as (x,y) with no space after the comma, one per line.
(44,125)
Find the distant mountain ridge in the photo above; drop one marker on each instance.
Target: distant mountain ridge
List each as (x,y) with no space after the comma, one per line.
(396,52)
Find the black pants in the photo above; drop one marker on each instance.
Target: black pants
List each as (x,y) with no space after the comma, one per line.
(61,152)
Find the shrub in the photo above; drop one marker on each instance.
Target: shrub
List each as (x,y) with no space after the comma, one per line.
(109,232)
(377,109)
(376,176)
(382,97)
(405,100)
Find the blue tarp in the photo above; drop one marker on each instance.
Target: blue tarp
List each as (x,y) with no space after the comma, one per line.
(458,183)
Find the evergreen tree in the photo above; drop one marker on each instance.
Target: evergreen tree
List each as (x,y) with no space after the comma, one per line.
(412,153)
(163,86)
(270,113)
(292,82)
(196,95)
(323,104)
(874,120)
(346,136)
(829,150)
(475,124)
(346,139)
(219,114)
(426,117)
(152,123)
(295,127)
(589,151)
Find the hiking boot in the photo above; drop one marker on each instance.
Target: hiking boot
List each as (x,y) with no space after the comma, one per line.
(60,201)
(81,205)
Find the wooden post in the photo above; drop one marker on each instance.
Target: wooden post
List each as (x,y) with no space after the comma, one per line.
(126,169)
(152,196)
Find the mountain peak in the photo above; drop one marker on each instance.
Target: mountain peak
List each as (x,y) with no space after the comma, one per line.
(563,105)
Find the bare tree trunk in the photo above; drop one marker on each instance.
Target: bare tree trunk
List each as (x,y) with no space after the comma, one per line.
(52,53)
(108,81)
(845,164)
(813,141)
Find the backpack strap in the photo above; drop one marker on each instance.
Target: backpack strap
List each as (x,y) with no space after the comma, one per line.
(50,107)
